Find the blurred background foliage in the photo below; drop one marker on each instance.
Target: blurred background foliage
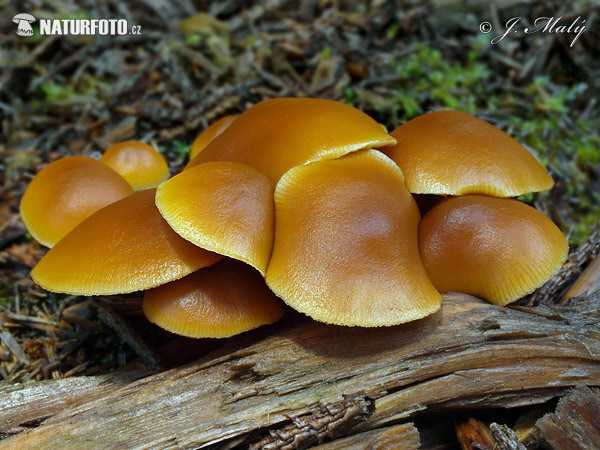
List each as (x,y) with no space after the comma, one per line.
(197,60)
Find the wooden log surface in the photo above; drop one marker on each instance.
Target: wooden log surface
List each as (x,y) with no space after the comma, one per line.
(404,435)
(24,402)
(469,354)
(575,423)
(588,281)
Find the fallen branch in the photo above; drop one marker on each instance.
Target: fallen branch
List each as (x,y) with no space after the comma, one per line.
(25,402)
(469,354)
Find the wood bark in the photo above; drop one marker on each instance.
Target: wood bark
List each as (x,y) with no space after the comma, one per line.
(404,435)
(25,402)
(271,383)
(588,281)
(575,424)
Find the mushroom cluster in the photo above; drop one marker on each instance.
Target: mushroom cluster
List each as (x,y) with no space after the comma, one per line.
(308,200)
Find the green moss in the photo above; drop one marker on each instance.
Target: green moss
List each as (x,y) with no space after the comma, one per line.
(425,78)
(6,298)
(193,39)
(56,92)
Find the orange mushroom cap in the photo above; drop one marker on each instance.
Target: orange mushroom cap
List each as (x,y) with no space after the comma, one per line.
(345,249)
(224,207)
(497,249)
(65,193)
(454,153)
(125,247)
(275,135)
(218,301)
(204,138)
(141,165)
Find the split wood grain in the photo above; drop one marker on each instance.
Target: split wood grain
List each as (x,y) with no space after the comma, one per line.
(404,435)
(469,354)
(24,402)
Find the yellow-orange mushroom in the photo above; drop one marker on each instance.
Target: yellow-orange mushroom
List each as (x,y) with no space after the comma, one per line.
(345,249)
(496,249)
(277,134)
(65,193)
(141,165)
(224,207)
(454,153)
(215,302)
(124,247)
(204,138)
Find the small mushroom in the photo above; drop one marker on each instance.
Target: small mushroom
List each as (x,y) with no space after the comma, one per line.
(141,165)
(66,192)
(224,207)
(494,248)
(277,134)
(125,247)
(454,153)
(204,138)
(24,22)
(346,249)
(215,302)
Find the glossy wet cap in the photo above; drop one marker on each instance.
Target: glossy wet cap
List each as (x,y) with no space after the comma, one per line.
(204,138)
(346,248)
(493,248)
(141,165)
(454,153)
(66,192)
(224,207)
(277,134)
(125,247)
(215,302)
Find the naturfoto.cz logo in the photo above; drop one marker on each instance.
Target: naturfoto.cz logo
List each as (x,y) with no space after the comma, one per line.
(74,27)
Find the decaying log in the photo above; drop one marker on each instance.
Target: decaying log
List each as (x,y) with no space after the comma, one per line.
(332,419)
(25,402)
(588,281)
(404,435)
(576,422)
(469,354)
(570,271)
(505,438)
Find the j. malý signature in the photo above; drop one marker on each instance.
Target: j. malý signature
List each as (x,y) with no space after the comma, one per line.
(544,25)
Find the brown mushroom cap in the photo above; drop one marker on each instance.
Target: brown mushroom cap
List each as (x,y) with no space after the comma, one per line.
(141,165)
(65,193)
(277,134)
(454,153)
(218,301)
(204,138)
(224,207)
(345,249)
(496,249)
(125,247)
